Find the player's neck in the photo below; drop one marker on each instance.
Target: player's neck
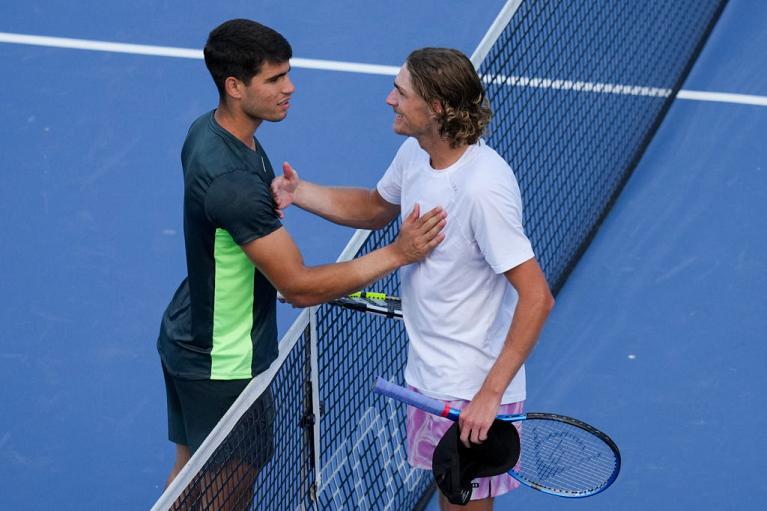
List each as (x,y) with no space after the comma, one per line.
(237,123)
(441,154)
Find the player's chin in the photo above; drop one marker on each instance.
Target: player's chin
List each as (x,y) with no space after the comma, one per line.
(278,116)
(281,111)
(399,129)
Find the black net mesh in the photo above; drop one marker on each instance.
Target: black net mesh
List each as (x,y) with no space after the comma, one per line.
(578,88)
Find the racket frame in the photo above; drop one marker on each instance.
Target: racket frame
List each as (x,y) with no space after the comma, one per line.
(440,408)
(365,301)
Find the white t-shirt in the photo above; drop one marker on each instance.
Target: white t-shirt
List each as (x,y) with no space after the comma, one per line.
(457,303)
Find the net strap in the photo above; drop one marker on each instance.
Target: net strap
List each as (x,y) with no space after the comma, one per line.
(494,32)
(315,395)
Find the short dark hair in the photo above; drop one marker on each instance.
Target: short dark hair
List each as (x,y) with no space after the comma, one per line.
(448,77)
(239,47)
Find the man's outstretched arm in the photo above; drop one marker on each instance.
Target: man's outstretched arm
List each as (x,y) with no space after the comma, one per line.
(353,207)
(279,259)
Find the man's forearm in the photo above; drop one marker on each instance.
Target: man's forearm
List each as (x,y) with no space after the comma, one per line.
(352,207)
(320,284)
(278,258)
(526,324)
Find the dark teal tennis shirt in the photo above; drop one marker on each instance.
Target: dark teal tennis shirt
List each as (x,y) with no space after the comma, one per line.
(221,323)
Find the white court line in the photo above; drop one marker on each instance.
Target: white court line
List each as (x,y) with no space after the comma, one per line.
(169,51)
(722,97)
(355,67)
(578,86)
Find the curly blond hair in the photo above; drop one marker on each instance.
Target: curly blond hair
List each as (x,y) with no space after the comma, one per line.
(447,76)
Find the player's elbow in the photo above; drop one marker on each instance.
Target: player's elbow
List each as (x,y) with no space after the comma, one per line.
(541,299)
(549,302)
(546,300)
(302,292)
(302,300)
(377,223)
(381,215)
(372,221)
(298,297)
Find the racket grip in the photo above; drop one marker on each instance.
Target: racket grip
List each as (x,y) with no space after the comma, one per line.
(425,403)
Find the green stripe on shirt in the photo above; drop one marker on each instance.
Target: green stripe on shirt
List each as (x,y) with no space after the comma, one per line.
(232,351)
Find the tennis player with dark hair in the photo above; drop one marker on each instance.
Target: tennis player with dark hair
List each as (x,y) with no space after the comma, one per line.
(219,329)
(474,309)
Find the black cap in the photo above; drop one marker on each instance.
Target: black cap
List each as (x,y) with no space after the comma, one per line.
(454,465)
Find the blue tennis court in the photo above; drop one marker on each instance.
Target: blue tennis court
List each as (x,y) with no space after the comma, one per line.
(657,333)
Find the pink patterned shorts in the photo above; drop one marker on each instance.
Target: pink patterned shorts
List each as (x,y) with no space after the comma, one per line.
(424,432)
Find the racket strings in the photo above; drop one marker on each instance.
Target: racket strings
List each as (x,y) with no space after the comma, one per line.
(564,458)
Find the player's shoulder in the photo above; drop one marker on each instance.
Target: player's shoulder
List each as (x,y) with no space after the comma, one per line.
(485,156)
(489,170)
(202,121)
(209,150)
(200,130)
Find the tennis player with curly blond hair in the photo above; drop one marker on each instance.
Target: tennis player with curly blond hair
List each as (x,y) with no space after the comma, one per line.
(473,309)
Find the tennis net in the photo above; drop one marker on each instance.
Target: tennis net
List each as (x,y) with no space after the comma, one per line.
(578,88)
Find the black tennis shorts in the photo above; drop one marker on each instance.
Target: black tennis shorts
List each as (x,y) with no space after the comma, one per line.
(196,406)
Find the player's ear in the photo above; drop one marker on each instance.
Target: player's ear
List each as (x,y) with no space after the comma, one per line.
(436,107)
(233,87)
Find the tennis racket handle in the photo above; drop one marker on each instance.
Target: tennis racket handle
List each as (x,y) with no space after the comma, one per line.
(425,403)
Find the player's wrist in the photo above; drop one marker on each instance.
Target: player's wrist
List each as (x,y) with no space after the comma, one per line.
(491,392)
(297,193)
(397,254)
